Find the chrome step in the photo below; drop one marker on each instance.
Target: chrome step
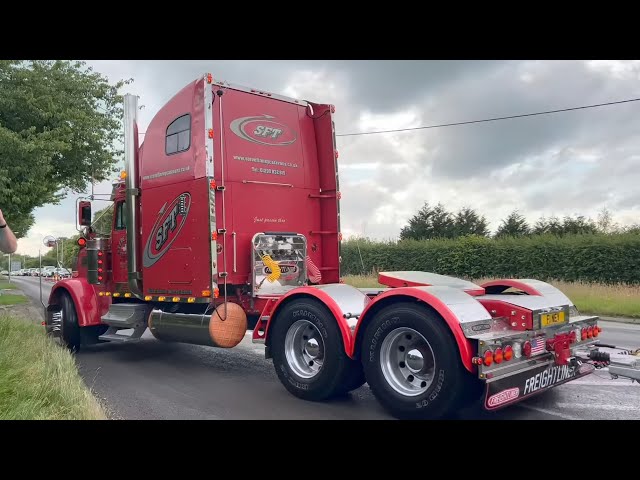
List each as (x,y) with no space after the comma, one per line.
(111,334)
(125,315)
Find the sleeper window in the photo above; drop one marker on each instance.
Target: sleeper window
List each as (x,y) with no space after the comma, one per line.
(178,137)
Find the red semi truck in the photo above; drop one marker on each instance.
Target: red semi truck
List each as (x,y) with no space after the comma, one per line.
(227,219)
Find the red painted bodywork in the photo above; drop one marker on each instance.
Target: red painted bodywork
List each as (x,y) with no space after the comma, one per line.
(510,283)
(328,302)
(262,139)
(560,345)
(464,345)
(89,306)
(300,157)
(183,267)
(503,309)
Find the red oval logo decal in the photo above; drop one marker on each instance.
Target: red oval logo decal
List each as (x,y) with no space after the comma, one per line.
(263,130)
(171,219)
(503,397)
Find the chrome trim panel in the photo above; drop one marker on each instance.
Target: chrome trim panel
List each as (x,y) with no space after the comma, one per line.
(261,93)
(432,279)
(210,171)
(350,300)
(522,367)
(530,302)
(125,315)
(208,126)
(548,291)
(463,306)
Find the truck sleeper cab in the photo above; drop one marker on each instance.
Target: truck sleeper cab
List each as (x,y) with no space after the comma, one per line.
(227,218)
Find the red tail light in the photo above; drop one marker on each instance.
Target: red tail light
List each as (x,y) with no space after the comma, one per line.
(596,331)
(498,356)
(573,336)
(100,254)
(584,334)
(526,349)
(508,353)
(590,332)
(488,358)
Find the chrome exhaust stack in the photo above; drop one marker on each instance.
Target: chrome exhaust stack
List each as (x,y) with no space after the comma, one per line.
(133,192)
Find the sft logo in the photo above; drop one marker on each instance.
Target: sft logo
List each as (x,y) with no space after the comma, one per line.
(263,130)
(171,219)
(503,397)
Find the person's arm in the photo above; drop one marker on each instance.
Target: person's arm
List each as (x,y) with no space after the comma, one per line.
(8,241)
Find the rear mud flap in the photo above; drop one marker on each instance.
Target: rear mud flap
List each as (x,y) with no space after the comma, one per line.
(532,381)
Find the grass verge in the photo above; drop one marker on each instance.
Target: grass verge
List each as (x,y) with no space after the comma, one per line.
(590,298)
(606,300)
(38,379)
(4,285)
(12,299)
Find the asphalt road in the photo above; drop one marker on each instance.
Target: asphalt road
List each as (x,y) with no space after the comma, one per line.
(155,380)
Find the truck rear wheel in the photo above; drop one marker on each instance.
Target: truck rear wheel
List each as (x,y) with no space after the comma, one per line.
(412,363)
(308,352)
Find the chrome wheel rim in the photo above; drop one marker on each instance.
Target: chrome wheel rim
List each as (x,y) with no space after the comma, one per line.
(407,362)
(304,349)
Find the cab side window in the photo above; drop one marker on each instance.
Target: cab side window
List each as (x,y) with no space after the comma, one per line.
(178,137)
(121,216)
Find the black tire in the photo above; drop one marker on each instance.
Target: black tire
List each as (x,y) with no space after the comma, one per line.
(354,377)
(90,335)
(446,392)
(331,378)
(70,330)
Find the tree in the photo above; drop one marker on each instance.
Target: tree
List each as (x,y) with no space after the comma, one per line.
(59,126)
(605,222)
(569,225)
(429,222)
(635,229)
(541,226)
(514,225)
(103,220)
(468,222)
(578,226)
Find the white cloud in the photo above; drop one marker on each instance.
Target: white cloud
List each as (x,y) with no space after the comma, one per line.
(562,164)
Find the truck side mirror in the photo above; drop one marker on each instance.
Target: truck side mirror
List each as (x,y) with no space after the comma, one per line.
(84,213)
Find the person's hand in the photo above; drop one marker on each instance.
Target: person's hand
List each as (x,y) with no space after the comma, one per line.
(8,241)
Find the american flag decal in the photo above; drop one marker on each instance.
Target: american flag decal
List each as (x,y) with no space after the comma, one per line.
(537,345)
(313,272)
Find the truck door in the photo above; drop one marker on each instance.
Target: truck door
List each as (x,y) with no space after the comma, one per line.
(119,245)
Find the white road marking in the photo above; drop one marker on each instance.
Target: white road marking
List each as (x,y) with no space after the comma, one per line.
(596,406)
(618,325)
(604,383)
(548,412)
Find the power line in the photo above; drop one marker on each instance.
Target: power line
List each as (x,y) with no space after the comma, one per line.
(484,120)
(493,119)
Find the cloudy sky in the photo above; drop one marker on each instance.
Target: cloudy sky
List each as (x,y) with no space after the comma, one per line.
(562,164)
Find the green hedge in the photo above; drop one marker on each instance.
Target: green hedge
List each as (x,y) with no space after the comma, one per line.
(600,258)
